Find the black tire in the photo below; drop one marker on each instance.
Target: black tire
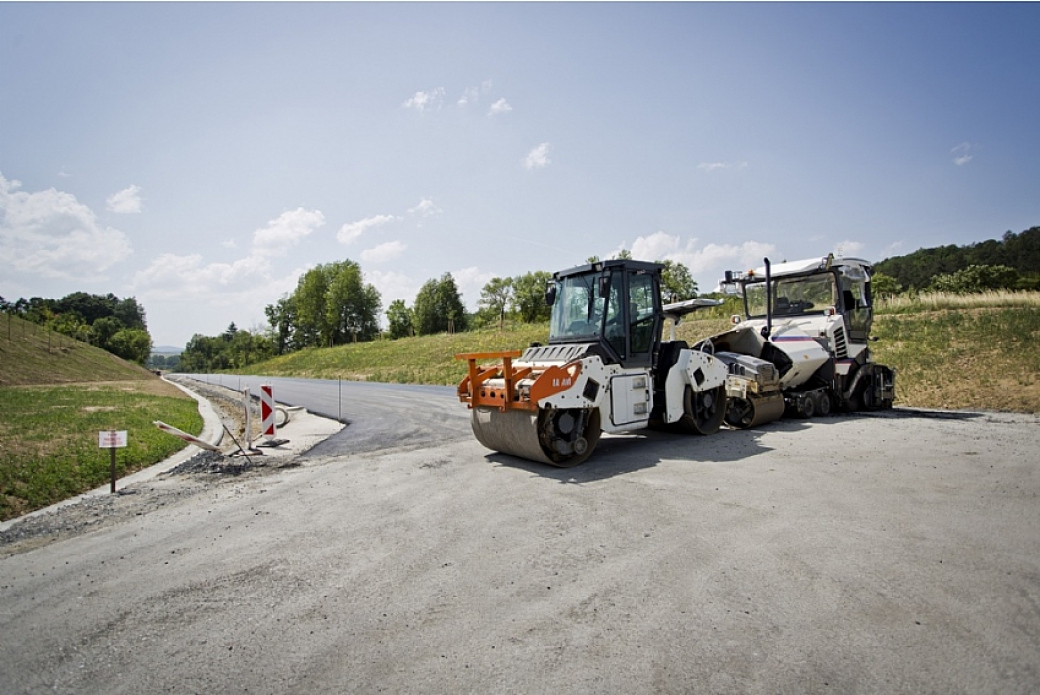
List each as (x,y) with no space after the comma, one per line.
(807,406)
(740,413)
(703,411)
(823,404)
(590,437)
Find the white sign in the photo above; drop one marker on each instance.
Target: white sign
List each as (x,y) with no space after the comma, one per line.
(112,439)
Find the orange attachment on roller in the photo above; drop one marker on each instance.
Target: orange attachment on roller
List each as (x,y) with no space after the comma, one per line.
(475,390)
(555,380)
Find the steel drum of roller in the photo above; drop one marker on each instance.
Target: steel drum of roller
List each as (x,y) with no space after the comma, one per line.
(743,413)
(561,438)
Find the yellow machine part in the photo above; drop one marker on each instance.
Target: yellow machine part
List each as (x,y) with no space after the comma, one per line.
(754,410)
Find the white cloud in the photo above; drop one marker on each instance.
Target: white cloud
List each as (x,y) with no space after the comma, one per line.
(207,297)
(471,95)
(500,106)
(961,154)
(657,246)
(538,158)
(708,263)
(896,247)
(127,201)
(246,284)
(384,252)
(285,231)
(425,208)
(715,166)
(351,231)
(174,276)
(470,282)
(51,234)
(393,285)
(424,101)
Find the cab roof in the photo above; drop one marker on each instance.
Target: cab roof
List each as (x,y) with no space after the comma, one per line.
(809,266)
(599,266)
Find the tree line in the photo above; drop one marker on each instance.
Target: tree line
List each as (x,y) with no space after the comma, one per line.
(1011,262)
(333,305)
(105,321)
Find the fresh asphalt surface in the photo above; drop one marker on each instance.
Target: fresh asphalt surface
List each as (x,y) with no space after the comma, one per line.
(892,553)
(378,416)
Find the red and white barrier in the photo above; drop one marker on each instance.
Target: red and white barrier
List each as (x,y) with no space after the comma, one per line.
(267,423)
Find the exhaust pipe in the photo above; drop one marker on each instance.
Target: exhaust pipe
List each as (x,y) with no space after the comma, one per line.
(768,330)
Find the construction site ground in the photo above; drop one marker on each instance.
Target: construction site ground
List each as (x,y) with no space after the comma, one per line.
(897,552)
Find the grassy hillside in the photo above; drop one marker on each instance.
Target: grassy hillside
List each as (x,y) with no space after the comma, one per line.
(951,352)
(56,394)
(32,354)
(422,360)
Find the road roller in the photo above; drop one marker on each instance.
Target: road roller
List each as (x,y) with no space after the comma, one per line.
(605,368)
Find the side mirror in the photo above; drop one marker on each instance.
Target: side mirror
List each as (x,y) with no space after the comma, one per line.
(550,295)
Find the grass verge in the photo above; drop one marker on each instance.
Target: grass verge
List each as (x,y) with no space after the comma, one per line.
(49,436)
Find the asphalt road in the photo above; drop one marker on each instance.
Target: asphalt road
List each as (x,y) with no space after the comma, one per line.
(894,554)
(379,416)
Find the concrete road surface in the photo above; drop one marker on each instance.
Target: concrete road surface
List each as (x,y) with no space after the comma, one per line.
(897,553)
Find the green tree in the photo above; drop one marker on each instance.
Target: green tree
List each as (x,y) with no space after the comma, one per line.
(102,330)
(399,319)
(976,278)
(312,326)
(129,313)
(677,282)
(132,344)
(494,301)
(204,354)
(72,325)
(882,286)
(282,317)
(529,296)
(331,305)
(438,307)
(351,307)
(246,348)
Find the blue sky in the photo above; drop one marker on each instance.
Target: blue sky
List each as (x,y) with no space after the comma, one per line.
(200,156)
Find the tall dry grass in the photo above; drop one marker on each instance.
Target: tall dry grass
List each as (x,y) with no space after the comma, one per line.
(939,301)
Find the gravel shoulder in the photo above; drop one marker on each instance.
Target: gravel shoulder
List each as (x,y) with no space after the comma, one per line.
(891,553)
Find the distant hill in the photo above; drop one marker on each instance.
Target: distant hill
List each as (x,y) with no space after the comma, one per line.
(1019,251)
(31,354)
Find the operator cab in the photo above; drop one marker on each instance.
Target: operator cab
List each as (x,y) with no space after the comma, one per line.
(613,304)
(804,289)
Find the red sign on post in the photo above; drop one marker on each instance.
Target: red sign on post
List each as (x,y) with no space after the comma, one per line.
(112,439)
